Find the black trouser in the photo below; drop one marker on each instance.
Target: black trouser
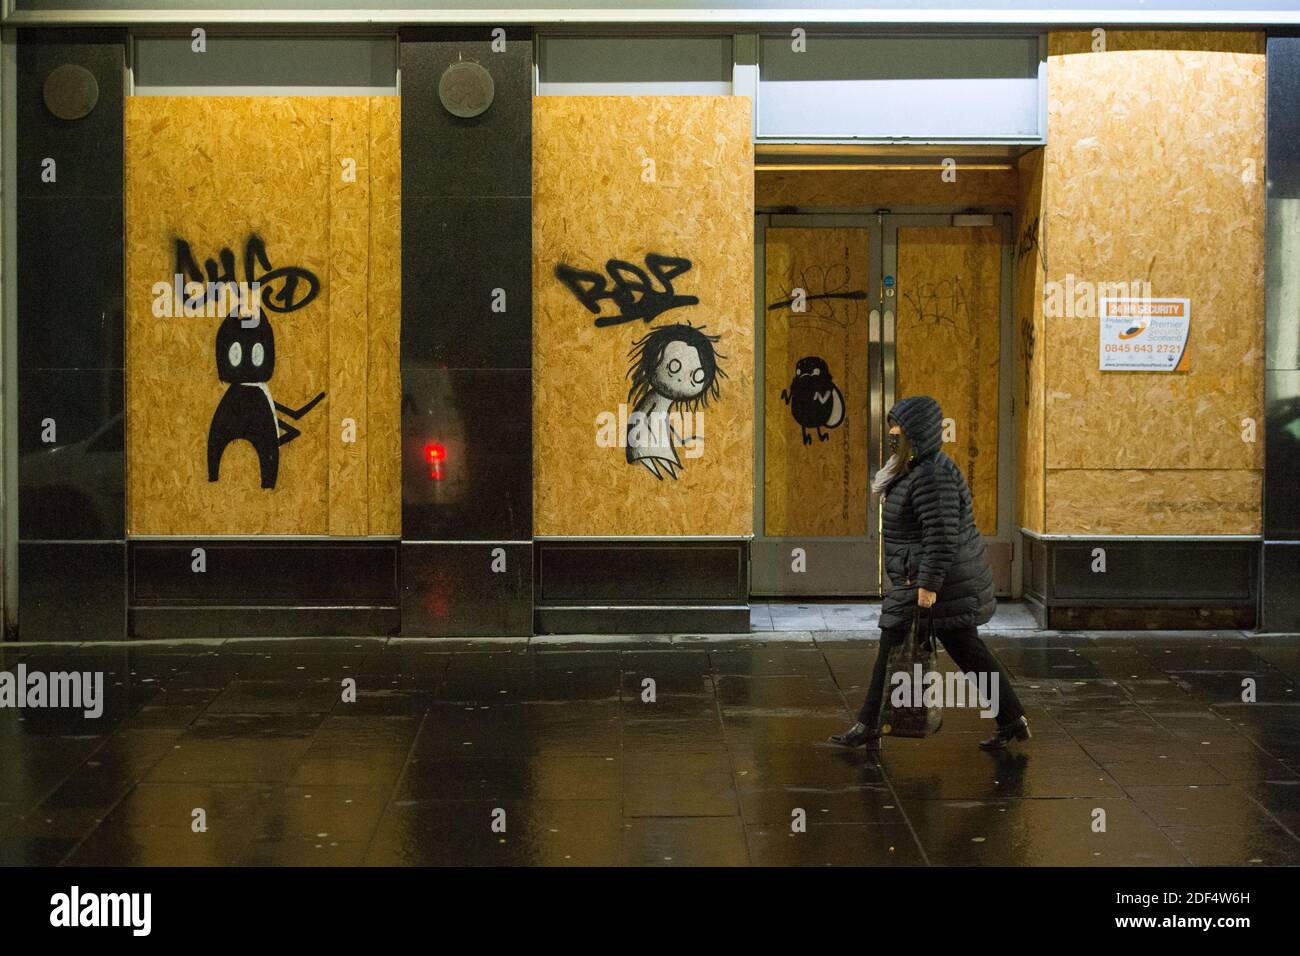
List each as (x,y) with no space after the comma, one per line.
(967,651)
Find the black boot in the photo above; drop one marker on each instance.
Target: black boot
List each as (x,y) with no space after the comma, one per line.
(859,735)
(1016,730)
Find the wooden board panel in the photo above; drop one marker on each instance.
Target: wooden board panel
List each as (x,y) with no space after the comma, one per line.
(1154,174)
(216,173)
(349,213)
(384,377)
(948,343)
(857,188)
(625,178)
(815,371)
(1030,448)
(1175,501)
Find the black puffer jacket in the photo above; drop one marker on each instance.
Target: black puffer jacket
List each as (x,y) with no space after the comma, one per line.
(931,540)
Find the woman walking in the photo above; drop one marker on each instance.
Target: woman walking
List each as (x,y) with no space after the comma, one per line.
(935,558)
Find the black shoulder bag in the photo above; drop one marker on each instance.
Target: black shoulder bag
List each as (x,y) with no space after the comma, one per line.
(916,656)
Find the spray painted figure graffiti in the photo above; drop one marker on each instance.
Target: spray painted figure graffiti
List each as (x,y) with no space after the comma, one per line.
(674,370)
(815,400)
(246,360)
(245,354)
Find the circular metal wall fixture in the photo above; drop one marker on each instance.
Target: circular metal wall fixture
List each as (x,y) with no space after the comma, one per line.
(71,92)
(466,89)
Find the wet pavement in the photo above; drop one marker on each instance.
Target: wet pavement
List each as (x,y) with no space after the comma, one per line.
(548,752)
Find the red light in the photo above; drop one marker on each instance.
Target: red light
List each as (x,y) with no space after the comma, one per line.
(435,454)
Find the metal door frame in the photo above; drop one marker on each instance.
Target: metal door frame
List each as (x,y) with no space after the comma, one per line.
(1001,545)
(845,552)
(881,358)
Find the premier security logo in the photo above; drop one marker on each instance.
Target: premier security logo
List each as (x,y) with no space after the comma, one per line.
(103,909)
(76,690)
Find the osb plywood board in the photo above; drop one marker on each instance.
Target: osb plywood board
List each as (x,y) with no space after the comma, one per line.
(816,381)
(349,213)
(632,179)
(948,343)
(1175,501)
(1029,343)
(257,186)
(384,376)
(892,187)
(1154,173)
(1065,42)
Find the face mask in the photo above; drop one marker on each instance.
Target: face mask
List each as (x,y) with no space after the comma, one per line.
(893,443)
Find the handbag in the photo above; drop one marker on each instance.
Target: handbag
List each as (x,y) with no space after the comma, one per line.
(915,656)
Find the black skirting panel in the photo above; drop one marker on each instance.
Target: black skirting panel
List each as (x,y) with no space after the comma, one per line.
(1146,584)
(1280,607)
(72,590)
(641,586)
(467,589)
(263,588)
(179,623)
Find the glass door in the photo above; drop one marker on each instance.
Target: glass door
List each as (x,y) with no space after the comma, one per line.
(856,311)
(947,332)
(818,399)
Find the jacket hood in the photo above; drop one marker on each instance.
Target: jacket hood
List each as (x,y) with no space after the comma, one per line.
(921,419)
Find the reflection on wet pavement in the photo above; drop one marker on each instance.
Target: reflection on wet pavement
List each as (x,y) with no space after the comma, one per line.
(1147,750)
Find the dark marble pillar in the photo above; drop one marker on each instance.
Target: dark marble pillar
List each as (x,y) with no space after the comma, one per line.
(467,518)
(71,471)
(1280,585)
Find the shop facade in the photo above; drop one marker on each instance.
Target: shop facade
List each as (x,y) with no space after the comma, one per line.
(502,322)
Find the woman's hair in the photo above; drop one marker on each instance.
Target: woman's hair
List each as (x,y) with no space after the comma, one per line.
(905,450)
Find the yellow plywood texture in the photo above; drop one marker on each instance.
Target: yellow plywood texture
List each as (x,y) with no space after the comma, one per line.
(816,381)
(1175,501)
(1153,180)
(274,190)
(626,178)
(1029,344)
(384,379)
(948,343)
(349,212)
(812,187)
